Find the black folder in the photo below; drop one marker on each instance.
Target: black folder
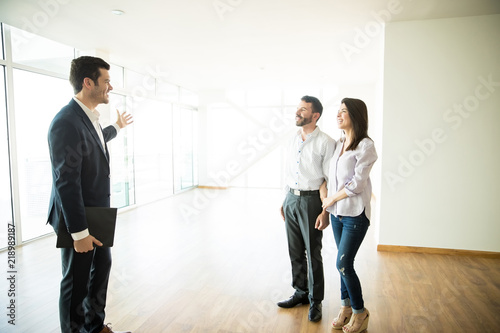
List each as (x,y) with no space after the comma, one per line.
(101,222)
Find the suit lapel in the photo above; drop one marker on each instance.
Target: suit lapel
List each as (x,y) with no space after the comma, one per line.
(90,127)
(106,151)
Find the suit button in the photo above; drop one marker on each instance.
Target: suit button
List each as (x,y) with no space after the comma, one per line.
(109,176)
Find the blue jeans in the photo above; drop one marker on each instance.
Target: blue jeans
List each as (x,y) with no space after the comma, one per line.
(349,232)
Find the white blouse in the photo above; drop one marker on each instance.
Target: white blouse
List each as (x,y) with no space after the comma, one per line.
(352,172)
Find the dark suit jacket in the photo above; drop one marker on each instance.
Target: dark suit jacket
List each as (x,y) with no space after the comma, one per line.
(80,167)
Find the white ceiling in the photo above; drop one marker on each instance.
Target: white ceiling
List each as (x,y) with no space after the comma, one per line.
(243,43)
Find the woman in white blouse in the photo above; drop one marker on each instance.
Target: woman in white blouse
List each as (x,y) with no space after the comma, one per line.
(348,202)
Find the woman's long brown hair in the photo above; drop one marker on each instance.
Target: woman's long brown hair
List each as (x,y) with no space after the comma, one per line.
(359,118)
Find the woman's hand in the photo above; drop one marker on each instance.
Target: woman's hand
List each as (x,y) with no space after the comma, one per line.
(327,202)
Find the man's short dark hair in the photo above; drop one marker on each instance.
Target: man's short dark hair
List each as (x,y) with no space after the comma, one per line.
(83,67)
(316,104)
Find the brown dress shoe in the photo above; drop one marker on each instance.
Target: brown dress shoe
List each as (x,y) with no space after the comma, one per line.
(107,329)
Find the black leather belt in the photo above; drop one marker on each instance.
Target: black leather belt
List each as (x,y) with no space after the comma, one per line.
(304,193)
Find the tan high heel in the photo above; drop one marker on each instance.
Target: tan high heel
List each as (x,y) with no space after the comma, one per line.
(356,324)
(343,317)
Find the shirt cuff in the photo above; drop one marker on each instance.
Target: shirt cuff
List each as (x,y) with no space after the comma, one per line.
(80,235)
(349,192)
(115,125)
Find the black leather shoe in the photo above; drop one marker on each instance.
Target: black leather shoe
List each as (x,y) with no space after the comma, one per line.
(293,301)
(315,312)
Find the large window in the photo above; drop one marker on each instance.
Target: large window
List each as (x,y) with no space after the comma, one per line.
(38,52)
(5,194)
(153,150)
(142,155)
(121,154)
(1,42)
(37,99)
(252,157)
(263,166)
(185,147)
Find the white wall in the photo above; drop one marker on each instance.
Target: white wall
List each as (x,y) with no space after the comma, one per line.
(441,135)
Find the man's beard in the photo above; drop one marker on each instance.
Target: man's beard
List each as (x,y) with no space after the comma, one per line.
(303,121)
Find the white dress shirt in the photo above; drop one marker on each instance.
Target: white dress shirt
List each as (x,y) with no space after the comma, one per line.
(94,119)
(308,161)
(351,171)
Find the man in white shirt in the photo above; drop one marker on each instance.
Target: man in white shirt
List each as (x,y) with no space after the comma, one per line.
(309,154)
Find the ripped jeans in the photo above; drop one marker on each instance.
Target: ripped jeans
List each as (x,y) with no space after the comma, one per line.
(349,232)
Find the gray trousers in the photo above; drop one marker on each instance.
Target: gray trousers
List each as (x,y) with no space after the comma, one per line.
(304,245)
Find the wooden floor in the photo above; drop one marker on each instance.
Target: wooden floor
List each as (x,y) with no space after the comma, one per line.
(216,261)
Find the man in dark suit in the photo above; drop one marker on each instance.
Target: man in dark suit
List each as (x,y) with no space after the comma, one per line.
(81,178)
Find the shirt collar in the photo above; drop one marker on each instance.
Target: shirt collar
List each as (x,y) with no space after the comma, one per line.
(93,115)
(312,134)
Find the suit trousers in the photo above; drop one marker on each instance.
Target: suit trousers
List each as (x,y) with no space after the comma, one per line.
(304,245)
(83,289)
